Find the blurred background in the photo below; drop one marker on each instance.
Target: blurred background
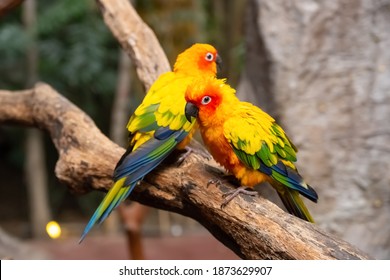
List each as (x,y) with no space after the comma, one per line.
(321,68)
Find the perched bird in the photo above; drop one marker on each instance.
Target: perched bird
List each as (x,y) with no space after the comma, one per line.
(158,126)
(248,143)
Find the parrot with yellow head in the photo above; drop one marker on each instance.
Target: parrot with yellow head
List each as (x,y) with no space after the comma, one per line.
(248,143)
(158,126)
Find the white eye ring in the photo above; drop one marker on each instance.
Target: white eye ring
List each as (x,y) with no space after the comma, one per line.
(206,100)
(209,56)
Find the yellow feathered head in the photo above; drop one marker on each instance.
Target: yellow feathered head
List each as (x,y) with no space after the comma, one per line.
(199,59)
(207,97)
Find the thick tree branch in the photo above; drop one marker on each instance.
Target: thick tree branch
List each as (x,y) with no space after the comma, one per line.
(43,108)
(253,228)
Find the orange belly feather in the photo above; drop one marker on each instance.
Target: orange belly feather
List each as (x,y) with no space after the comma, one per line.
(223,153)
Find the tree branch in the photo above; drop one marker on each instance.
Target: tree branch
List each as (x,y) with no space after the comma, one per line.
(253,228)
(44,108)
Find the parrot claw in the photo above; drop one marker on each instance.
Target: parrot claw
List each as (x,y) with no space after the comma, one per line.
(187,151)
(230,178)
(216,182)
(230,195)
(184,155)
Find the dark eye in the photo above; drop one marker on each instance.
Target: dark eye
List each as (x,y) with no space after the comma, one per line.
(209,56)
(206,100)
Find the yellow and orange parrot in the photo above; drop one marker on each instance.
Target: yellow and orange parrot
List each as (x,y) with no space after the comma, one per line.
(158,126)
(248,143)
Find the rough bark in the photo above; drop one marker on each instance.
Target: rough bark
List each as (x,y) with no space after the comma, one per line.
(253,228)
(327,79)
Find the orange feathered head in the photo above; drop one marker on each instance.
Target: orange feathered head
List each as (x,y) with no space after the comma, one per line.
(199,59)
(208,97)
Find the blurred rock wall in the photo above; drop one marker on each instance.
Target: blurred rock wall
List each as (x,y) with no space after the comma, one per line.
(322,68)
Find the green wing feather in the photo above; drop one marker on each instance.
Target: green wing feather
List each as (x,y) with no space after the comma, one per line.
(256,138)
(157,126)
(261,144)
(157,109)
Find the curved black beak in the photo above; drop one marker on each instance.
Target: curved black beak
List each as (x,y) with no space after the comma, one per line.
(218,60)
(191,111)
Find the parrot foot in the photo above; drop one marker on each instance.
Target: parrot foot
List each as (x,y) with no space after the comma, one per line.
(230,195)
(216,182)
(184,155)
(230,178)
(187,151)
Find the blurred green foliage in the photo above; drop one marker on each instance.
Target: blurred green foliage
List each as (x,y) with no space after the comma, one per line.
(78,56)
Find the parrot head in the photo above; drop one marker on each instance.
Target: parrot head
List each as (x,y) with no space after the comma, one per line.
(205,97)
(199,59)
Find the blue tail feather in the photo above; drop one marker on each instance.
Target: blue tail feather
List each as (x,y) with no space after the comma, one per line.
(151,150)
(119,199)
(131,168)
(292,179)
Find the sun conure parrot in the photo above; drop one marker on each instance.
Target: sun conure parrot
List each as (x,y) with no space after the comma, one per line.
(248,143)
(158,126)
